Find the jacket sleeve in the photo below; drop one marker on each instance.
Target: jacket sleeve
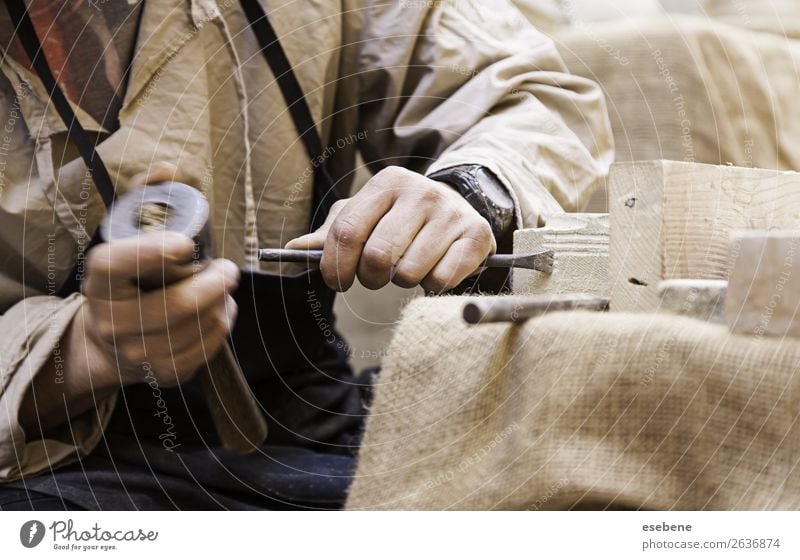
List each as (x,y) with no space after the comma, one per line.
(472,82)
(36,255)
(32,329)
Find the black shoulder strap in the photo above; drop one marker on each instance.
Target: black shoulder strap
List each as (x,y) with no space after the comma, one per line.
(270,46)
(324,192)
(287,80)
(33,48)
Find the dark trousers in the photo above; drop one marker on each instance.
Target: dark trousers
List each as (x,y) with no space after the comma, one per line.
(315,407)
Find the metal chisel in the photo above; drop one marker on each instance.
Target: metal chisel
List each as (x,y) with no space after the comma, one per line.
(541,261)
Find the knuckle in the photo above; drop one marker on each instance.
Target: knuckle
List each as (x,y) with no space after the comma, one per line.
(480,232)
(388,175)
(182,304)
(219,324)
(132,351)
(450,215)
(408,274)
(101,323)
(214,283)
(217,269)
(394,170)
(444,282)
(98,259)
(229,273)
(372,282)
(377,258)
(339,204)
(106,335)
(406,280)
(406,284)
(389,178)
(432,285)
(345,232)
(103,329)
(434,197)
(439,282)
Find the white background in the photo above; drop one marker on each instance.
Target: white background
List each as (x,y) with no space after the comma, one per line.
(379,536)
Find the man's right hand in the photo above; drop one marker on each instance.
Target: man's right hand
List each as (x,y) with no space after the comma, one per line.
(166,332)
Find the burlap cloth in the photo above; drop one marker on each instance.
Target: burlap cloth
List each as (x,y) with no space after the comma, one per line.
(580,410)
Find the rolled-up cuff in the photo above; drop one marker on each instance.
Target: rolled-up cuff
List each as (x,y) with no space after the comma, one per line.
(33,330)
(533,203)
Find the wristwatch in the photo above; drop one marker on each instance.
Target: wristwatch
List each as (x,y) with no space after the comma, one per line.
(483,190)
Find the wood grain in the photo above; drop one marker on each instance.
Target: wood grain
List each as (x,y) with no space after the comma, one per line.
(673,220)
(580,244)
(764,288)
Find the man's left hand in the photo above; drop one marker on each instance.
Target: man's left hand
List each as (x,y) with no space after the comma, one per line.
(403,228)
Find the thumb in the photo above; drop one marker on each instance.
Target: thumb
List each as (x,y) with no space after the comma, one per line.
(309,241)
(316,239)
(159,172)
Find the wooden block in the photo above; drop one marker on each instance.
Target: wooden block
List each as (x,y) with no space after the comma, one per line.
(699,299)
(764,287)
(580,265)
(673,220)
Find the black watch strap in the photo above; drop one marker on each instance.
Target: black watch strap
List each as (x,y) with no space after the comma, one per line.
(483,190)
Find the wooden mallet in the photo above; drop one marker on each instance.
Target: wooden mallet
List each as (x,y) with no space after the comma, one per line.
(180,208)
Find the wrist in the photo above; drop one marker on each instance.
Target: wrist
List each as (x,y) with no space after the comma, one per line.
(484,192)
(92,368)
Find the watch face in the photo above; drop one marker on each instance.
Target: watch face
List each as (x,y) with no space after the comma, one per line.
(494,190)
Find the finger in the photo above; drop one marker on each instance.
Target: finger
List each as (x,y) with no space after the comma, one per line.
(388,243)
(183,301)
(316,239)
(114,269)
(176,339)
(425,251)
(159,172)
(156,311)
(347,235)
(461,260)
(187,362)
(214,324)
(309,241)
